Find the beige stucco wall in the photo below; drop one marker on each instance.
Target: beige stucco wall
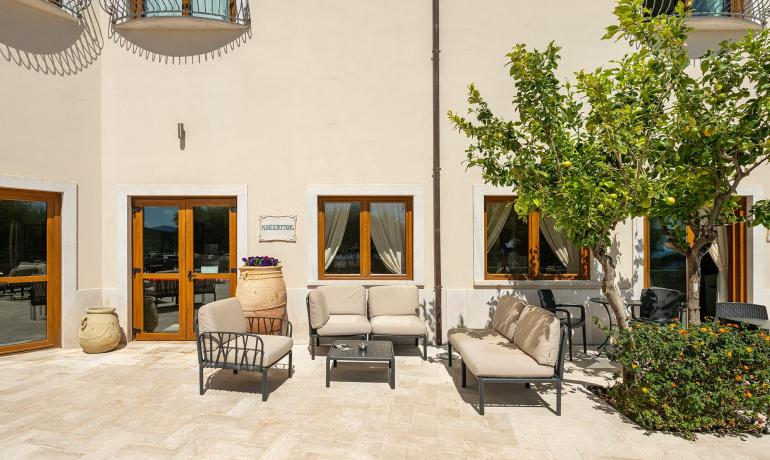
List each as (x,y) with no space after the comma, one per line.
(321,92)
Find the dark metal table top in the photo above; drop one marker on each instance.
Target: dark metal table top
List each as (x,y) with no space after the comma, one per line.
(760,323)
(603,300)
(377,350)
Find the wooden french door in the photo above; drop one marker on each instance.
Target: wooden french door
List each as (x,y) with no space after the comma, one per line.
(30,270)
(183,257)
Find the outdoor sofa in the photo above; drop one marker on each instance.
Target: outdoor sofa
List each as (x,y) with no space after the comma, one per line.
(341,312)
(223,342)
(526,344)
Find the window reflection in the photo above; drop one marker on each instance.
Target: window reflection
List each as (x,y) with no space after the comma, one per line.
(23,313)
(161,239)
(23,238)
(507,241)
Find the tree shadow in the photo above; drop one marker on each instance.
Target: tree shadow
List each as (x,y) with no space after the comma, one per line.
(179,47)
(49,44)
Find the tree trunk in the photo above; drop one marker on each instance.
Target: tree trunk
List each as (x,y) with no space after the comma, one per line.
(610,288)
(693,286)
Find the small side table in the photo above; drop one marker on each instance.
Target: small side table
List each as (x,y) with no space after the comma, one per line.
(605,303)
(376,351)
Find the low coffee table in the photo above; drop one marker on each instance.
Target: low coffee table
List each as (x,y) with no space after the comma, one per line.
(377,351)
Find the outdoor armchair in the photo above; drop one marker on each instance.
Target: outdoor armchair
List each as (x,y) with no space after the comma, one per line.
(731,310)
(393,313)
(659,305)
(336,312)
(223,342)
(548,302)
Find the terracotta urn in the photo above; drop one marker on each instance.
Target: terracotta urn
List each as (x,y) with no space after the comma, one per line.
(99,330)
(262,292)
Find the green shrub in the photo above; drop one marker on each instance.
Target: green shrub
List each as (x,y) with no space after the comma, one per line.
(709,378)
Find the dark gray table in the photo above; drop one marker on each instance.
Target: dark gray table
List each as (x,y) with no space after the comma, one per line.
(377,351)
(760,323)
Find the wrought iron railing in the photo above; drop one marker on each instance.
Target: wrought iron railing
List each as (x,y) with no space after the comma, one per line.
(233,11)
(73,7)
(755,11)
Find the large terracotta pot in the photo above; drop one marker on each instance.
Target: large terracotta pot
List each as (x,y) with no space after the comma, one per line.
(262,292)
(99,330)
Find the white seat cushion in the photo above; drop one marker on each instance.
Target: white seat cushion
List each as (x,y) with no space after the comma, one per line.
(341,325)
(398,325)
(486,359)
(462,336)
(275,347)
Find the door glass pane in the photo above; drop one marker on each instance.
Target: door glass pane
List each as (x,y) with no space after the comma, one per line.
(211,239)
(23,242)
(342,248)
(388,238)
(207,291)
(667,267)
(558,255)
(507,239)
(23,313)
(161,306)
(161,239)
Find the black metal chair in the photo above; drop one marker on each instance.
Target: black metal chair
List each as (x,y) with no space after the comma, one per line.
(731,310)
(659,305)
(548,302)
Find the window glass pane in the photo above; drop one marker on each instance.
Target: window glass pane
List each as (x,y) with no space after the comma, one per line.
(342,242)
(388,238)
(558,256)
(667,267)
(161,239)
(23,313)
(161,306)
(207,291)
(153,8)
(213,9)
(211,239)
(23,243)
(507,239)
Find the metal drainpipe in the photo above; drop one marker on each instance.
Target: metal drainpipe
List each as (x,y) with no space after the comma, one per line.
(436,175)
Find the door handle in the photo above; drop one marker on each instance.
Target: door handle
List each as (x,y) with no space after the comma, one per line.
(190,275)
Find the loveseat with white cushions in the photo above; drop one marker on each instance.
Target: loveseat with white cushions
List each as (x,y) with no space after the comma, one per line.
(340,311)
(526,344)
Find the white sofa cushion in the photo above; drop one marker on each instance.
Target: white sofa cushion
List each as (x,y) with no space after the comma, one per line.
(319,312)
(398,325)
(538,334)
(343,300)
(341,325)
(486,359)
(507,314)
(222,316)
(393,300)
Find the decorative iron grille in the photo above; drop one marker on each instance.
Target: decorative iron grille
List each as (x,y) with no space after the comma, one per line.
(233,11)
(73,7)
(755,11)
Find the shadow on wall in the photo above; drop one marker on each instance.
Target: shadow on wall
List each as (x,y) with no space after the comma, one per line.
(179,47)
(48,44)
(701,41)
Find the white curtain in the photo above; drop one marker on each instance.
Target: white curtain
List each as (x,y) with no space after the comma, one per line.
(335,222)
(497,215)
(568,254)
(718,253)
(388,233)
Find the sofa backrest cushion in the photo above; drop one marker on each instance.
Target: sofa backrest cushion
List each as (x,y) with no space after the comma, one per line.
(538,334)
(222,316)
(319,312)
(344,300)
(393,300)
(507,315)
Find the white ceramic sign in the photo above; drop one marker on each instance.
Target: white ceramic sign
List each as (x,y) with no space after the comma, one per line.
(278,228)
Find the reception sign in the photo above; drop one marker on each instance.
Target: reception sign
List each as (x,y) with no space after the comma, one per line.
(278,228)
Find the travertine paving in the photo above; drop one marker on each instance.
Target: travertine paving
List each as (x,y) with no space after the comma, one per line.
(142,402)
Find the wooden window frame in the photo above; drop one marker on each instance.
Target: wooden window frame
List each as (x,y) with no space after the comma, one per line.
(533,250)
(365,237)
(52,278)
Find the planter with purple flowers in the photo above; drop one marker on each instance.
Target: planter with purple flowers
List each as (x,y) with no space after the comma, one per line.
(261,289)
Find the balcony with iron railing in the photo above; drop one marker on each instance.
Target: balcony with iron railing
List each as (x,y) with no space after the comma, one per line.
(178,14)
(717,14)
(69,9)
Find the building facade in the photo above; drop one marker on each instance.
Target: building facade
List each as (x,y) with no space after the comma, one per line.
(143,141)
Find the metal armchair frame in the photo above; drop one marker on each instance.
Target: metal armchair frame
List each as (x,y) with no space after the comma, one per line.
(558,374)
(315,339)
(548,302)
(216,351)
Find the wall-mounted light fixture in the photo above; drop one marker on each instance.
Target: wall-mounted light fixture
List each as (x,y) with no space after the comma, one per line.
(180,134)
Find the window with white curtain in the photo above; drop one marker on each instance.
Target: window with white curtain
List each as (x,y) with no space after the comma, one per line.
(527,248)
(364,237)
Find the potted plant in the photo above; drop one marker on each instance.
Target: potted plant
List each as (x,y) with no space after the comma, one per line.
(261,288)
